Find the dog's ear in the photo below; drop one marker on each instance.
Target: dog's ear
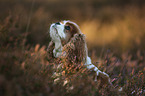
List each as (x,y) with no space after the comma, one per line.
(74,28)
(76,49)
(80,47)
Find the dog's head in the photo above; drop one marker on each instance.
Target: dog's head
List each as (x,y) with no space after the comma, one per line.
(63,31)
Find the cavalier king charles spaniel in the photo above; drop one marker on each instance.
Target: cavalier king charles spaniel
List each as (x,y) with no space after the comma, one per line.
(67,41)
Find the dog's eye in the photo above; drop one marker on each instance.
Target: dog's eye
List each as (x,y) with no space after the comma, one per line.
(67,27)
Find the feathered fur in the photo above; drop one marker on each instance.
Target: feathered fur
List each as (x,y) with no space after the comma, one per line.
(73,47)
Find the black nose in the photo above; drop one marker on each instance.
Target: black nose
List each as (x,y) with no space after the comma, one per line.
(57,23)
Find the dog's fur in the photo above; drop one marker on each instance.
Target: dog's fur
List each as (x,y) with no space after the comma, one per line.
(70,45)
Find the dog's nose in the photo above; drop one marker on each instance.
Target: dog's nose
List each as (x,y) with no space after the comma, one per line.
(57,23)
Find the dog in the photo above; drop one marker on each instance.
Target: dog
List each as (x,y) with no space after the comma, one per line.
(69,44)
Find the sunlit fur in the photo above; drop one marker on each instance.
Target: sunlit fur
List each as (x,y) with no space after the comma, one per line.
(70,45)
(68,41)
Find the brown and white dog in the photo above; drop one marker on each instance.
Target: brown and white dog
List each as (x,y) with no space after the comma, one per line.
(69,42)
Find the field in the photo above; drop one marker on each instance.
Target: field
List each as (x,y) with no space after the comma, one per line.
(115,34)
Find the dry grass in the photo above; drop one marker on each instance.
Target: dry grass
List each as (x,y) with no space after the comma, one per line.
(26,71)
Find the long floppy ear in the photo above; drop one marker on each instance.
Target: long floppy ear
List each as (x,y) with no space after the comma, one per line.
(76,49)
(80,47)
(78,41)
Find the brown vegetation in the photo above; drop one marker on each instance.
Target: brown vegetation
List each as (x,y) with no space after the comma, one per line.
(24,66)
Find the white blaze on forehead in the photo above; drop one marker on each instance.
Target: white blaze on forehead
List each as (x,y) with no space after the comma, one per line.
(65,21)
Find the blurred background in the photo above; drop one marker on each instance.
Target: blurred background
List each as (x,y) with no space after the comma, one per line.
(115,34)
(118,25)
